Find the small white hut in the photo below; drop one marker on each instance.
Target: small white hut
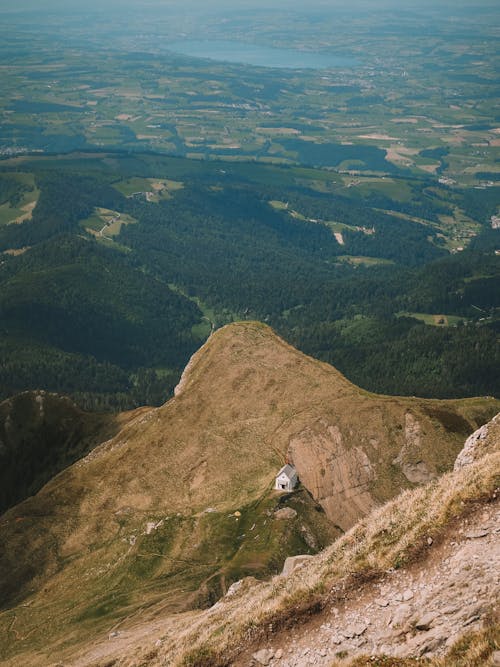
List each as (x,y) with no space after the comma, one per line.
(286,479)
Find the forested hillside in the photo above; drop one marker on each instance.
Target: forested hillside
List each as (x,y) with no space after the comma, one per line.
(127,262)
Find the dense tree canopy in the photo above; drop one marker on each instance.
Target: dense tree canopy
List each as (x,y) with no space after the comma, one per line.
(113,322)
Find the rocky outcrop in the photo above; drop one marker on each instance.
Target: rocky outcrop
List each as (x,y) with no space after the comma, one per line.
(285,514)
(264,656)
(482,441)
(412,466)
(293,562)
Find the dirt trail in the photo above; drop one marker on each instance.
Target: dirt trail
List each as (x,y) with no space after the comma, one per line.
(419,611)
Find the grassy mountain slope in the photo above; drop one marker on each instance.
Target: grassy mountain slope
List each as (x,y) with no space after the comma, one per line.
(178,504)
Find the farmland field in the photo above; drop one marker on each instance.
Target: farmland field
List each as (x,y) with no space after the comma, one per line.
(384,98)
(19,198)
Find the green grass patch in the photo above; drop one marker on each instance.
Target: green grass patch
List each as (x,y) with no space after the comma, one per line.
(366,261)
(433,320)
(213,318)
(157,188)
(129,186)
(115,227)
(202,330)
(332,224)
(398,190)
(104,607)
(278,205)
(19,196)
(106,223)
(93,222)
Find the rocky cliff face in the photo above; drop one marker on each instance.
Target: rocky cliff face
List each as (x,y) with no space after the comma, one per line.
(486,439)
(337,475)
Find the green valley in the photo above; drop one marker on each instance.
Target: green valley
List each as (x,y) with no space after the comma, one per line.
(115,289)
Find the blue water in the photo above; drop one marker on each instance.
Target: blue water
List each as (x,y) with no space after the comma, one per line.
(262,56)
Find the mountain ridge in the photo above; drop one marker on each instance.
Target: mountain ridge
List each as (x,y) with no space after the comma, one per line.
(176,482)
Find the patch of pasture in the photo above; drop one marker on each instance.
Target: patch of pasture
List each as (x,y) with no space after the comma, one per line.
(432,319)
(22,201)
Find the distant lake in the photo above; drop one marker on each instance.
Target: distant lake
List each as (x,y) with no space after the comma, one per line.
(262,56)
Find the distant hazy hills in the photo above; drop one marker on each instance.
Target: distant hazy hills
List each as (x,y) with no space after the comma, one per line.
(177,504)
